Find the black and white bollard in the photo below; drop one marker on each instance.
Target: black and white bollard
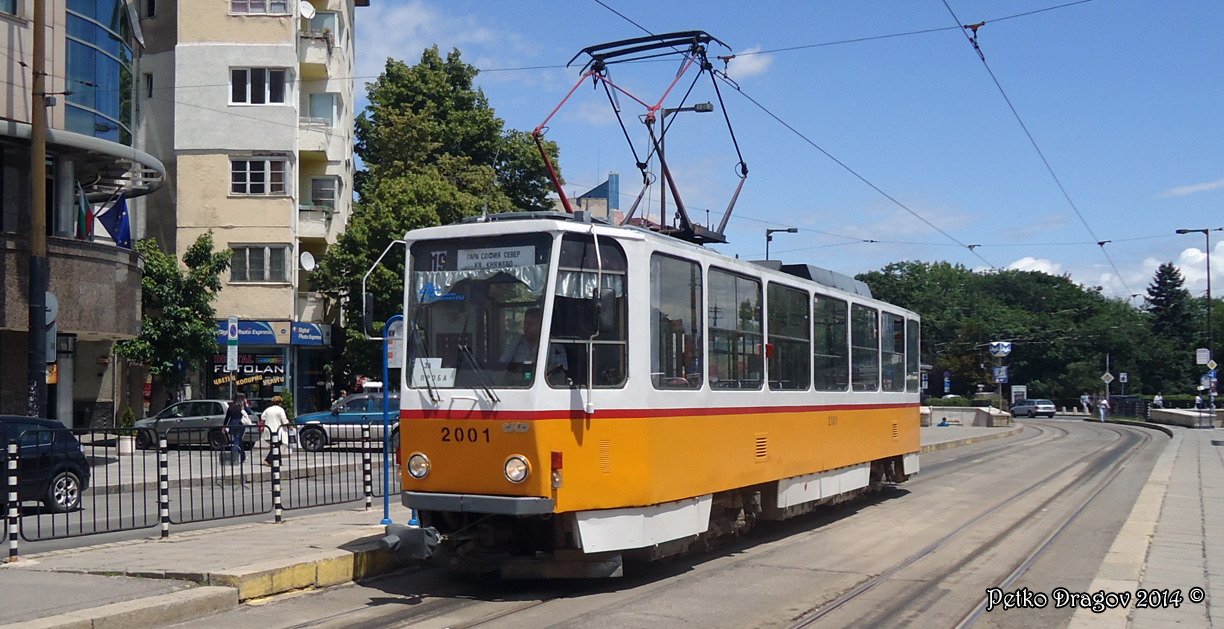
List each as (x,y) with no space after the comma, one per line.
(163,485)
(366,479)
(14,505)
(276,477)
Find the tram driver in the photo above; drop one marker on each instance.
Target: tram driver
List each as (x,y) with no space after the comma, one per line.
(520,357)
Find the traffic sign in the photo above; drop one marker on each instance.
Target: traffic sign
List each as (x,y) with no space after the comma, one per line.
(1000,374)
(395,344)
(999,349)
(1122,377)
(231,345)
(1107,378)
(1202,356)
(1211,364)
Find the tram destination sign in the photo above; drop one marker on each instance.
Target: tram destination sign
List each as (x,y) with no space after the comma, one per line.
(496,258)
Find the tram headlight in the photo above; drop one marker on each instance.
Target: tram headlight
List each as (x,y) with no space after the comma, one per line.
(517,469)
(418,466)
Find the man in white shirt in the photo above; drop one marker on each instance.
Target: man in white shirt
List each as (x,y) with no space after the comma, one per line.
(275,422)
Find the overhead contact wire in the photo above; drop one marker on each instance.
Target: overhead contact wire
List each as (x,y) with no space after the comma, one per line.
(857,175)
(972,39)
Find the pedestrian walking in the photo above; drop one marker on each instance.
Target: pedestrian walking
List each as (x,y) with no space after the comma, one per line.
(1198,402)
(1086,402)
(1103,405)
(276,422)
(236,421)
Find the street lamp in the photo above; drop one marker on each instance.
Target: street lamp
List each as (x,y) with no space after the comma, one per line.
(1210,336)
(701,108)
(769,236)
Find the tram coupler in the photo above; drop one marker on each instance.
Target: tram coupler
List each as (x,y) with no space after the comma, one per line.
(410,544)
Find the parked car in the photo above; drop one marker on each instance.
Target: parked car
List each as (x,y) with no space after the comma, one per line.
(1033,408)
(344,421)
(199,422)
(51,467)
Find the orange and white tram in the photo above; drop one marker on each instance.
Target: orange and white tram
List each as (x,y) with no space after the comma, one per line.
(576,392)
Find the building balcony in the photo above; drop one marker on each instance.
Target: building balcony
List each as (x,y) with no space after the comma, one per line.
(311,307)
(314,221)
(315,50)
(316,135)
(97,286)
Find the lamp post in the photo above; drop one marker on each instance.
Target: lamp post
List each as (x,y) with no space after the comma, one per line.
(769,236)
(701,108)
(1210,334)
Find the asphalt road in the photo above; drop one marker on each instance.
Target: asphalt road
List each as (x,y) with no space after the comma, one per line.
(1050,500)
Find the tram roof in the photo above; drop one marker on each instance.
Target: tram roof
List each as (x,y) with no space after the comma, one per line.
(561,221)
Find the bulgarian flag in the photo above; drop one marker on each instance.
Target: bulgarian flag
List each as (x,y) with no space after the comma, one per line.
(85,216)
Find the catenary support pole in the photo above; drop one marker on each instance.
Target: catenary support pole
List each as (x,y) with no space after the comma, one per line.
(36,367)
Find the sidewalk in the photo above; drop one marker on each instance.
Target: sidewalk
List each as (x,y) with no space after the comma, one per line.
(1173,540)
(152,582)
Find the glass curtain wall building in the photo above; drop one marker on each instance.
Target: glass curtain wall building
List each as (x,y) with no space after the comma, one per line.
(99,69)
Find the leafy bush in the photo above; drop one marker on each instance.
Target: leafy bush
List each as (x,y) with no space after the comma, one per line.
(950,401)
(127,418)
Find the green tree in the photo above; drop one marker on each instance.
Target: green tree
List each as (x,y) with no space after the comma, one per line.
(177,321)
(434,152)
(1169,305)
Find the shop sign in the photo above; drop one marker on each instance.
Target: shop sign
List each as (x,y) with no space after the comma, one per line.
(310,333)
(256,332)
(252,368)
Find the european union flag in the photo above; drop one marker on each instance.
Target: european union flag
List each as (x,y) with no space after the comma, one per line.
(115,220)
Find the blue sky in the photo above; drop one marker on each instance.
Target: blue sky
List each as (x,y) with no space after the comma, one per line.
(1123,97)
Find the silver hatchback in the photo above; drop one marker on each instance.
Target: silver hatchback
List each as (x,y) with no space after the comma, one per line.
(194,422)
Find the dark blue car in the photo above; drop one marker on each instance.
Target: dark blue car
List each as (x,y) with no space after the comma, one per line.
(51,467)
(344,421)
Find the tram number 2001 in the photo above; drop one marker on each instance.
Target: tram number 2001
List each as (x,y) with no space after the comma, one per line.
(471,435)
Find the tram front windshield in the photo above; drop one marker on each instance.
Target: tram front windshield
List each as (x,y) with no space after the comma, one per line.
(475,311)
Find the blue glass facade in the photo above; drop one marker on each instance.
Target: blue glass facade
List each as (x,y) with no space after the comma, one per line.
(99,70)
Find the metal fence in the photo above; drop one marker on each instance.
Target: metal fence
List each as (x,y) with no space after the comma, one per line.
(69,483)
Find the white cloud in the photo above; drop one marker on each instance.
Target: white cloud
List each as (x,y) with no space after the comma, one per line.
(1193,266)
(1029,263)
(1181,191)
(748,63)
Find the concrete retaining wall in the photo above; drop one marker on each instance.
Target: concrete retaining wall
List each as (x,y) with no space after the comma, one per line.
(965,416)
(1189,418)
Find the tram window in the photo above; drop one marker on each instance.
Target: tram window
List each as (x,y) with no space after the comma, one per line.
(675,323)
(831,347)
(470,302)
(892,353)
(864,348)
(735,343)
(911,356)
(590,314)
(789,337)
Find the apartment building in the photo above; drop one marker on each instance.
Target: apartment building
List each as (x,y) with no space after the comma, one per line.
(250,106)
(92,50)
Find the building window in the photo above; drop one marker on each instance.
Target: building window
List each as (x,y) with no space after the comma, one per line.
(259,263)
(323,192)
(675,323)
(150,8)
(789,350)
(8,6)
(257,86)
(148,85)
(892,352)
(865,348)
(323,109)
(831,349)
(735,345)
(259,7)
(98,69)
(257,176)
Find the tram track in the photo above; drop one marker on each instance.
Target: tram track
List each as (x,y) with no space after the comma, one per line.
(459,606)
(1094,466)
